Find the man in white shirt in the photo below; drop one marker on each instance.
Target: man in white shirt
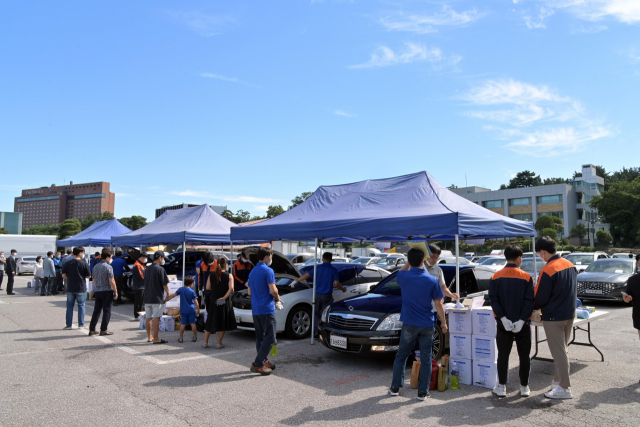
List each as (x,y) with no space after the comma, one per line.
(431,264)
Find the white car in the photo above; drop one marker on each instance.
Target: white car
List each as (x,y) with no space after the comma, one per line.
(494,263)
(26,264)
(621,255)
(582,260)
(366,260)
(295,318)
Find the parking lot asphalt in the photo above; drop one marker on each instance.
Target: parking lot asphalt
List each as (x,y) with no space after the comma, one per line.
(51,376)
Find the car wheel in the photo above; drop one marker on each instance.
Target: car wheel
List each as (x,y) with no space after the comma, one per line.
(299,322)
(438,343)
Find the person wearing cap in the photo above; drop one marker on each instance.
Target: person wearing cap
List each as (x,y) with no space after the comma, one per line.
(241,269)
(138,283)
(155,286)
(94,260)
(207,267)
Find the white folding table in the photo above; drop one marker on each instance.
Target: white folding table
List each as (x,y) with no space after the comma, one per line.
(597,315)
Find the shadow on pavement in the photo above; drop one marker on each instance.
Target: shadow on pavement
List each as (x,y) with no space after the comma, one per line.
(199,380)
(612,396)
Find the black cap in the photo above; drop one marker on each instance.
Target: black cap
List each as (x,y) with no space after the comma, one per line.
(158,255)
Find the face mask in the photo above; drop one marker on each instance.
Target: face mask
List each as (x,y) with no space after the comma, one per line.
(244,260)
(210,264)
(269,263)
(110,261)
(162,263)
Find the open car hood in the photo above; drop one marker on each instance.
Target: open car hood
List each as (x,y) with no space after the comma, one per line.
(280,265)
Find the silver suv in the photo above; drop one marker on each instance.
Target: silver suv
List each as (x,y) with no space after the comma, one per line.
(582,260)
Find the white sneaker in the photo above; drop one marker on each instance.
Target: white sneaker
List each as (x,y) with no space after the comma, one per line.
(554,385)
(525,391)
(500,390)
(559,393)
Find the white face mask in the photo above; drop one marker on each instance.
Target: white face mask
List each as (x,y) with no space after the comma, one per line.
(110,261)
(244,260)
(270,262)
(162,262)
(210,263)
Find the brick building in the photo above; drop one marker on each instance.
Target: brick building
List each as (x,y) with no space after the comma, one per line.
(52,205)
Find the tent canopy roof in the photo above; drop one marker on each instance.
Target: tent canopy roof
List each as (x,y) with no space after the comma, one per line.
(198,225)
(409,207)
(98,234)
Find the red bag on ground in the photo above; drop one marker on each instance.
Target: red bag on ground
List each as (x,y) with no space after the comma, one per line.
(434,375)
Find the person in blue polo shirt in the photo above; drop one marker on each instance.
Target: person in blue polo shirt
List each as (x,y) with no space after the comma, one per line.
(264,293)
(326,278)
(119,266)
(419,289)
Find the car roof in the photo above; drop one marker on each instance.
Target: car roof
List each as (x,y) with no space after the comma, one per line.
(585,253)
(616,260)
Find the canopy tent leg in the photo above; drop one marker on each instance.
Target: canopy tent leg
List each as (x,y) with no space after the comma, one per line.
(313,304)
(184,261)
(457,265)
(535,266)
(231,261)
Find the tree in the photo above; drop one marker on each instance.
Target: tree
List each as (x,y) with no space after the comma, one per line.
(603,237)
(550,232)
(134,222)
(242,216)
(619,206)
(579,231)
(106,216)
(452,186)
(3,231)
(69,227)
(88,221)
(42,230)
(523,179)
(545,221)
(624,175)
(228,215)
(273,211)
(298,200)
(552,181)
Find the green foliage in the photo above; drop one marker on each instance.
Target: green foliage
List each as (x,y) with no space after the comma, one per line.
(523,179)
(69,227)
(88,221)
(106,216)
(619,207)
(300,199)
(452,186)
(603,237)
(3,231)
(42,230)
(238,217)
(570,248)
(552,181)
(134,222)
(564,241)
(550,232)
(579,231)
(273,211)
(548,221)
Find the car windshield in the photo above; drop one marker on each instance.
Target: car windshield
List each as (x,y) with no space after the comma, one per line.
(527,264)
(389,287)
(613,267)
(361,260)
(580,259)
(494,261)
(386,261)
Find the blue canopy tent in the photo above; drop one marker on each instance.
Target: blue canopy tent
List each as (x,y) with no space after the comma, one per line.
(404,208)
(98,234)
(198,225)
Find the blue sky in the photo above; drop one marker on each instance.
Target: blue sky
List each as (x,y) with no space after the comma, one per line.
(251,103)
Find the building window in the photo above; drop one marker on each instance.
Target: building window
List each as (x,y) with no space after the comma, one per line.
(522,217)
(542,200)
(523,201)
(556,214)
(493,204)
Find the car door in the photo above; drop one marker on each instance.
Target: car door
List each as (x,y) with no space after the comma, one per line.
(348,279)
(367,278)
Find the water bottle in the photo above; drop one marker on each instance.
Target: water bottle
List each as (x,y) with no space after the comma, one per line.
(455,378)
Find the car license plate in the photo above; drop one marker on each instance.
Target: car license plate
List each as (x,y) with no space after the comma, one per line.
(340,342)
(238,319)
(593,291)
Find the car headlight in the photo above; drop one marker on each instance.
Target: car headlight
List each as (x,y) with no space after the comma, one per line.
(390,323)
(325,314)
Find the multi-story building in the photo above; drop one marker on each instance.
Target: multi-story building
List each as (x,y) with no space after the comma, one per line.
(569,202)
(11,221)
(52,205)
(163,209)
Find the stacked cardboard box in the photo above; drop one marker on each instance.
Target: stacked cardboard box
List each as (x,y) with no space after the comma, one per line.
(173,286)
(460,333)
(483,347)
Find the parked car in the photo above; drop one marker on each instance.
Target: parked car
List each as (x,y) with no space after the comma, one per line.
(582,260)
(527,265)
(295,318)
(486,257)
(391,263)
(452,260)
(366,260)
(371,322)
(26,264)
(621,255)
(334,259)
(494,263)
(298,260)
(605,279)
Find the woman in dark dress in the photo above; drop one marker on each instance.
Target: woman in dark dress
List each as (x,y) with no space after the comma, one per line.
(220,315)
(633,296)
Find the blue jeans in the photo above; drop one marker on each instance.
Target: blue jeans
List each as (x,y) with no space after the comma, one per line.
(408,337)
(72,297)
(265,326)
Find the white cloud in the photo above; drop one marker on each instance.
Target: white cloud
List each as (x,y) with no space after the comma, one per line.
(384,56)
(205,194)
(534,120)
(627,11)
(538,21)
(422,24)
(203,24)
(261,207)
(219,77)
(343,113)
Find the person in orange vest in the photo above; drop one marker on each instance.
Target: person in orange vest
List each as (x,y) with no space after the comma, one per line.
(207,267)
(138,283)
(241,270)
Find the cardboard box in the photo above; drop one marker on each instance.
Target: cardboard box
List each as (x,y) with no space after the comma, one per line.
(485,374)
(173,287)
(459,321)
(167,324)
(143,319)
(484,322)
(174,311)
(465,369)
(460,346)
(483,348)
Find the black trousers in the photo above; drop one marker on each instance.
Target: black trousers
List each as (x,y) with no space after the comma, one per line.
(10,283)
(103,302)
(137,302)
(504,342)
(119,286)
(1,276)
(59,284)
(48,286)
